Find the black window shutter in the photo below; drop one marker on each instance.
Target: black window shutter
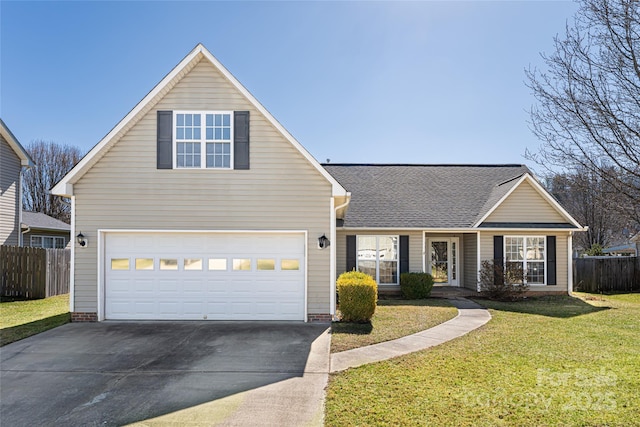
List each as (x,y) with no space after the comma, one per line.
(351,252)
(165,140)
(241,140)
(498,255)
(404,254)
(551,260)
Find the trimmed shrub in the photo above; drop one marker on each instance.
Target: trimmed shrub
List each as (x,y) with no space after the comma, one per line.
(416,285)
(358,294)
(502,284)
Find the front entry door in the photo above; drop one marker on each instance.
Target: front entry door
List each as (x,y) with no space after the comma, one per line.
(443,260)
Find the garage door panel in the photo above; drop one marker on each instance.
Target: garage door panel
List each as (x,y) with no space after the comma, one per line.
(203,283)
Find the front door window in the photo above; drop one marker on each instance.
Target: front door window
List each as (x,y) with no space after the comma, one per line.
(440,262)
(443,261)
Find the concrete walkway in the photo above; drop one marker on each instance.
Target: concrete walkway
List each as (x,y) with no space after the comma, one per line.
(470,316)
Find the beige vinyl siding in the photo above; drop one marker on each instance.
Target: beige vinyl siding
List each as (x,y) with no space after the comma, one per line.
(562,264)
(281,191)
(10,167)
(415,246)
(525,204)
(470,263)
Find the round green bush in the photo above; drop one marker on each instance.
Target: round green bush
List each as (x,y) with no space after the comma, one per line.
(358,294)
(416,285)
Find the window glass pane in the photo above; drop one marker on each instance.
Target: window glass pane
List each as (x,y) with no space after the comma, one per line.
(218,119)
(226,133)
(59,242)
(193,263)
(226,162)
(266,264)
(209,133)
(241,264)
(514,248)
(47,242)
(388,272)
(219,264)
(289,264)
(196,133)
(180,119)
(209,120)
(144,263)
(226,120)
(180,133)
(36,241)
(535,272)
(188,133)
(218,133)
(168,264)
(388,248)
(368,267)
(188,119)
(196,120)
(535,248)
(119,263)
(367,248)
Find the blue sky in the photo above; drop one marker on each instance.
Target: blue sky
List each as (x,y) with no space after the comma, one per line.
(378,82)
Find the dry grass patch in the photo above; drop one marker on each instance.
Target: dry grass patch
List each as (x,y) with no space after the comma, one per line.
(541,362)
(392,319)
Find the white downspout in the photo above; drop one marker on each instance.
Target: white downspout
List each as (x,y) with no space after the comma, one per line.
(570,263)
(20,235)
(332,249)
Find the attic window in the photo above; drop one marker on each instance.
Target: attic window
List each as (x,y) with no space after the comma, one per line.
(203,139)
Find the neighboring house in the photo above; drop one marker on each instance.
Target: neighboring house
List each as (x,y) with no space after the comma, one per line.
(625,249)
(42,231)
(13,159)
(200,205)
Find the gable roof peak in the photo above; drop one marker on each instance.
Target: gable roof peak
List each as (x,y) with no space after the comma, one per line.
(15,145)
(65,186)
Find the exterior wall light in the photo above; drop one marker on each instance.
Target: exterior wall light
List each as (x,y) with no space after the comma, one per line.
(82,241)
(323,242)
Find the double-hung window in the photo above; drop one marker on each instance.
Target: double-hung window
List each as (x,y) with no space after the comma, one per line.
(48,242)
(378,257)
(203,139)
(526,253)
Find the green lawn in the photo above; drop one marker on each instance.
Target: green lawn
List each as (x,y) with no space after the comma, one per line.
(392,319)
(20,319)
(542,362)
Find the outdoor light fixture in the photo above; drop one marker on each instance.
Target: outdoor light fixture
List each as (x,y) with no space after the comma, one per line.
(82,241)
(323,242)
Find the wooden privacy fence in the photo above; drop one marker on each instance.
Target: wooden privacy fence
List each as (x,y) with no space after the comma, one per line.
(34,273)
(596,274)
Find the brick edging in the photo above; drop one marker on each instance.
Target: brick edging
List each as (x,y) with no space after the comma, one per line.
(324,317)
(78,316)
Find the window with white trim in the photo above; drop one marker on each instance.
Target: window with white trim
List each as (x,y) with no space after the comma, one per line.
(377,256)
(203,139)
(529,254)
(48,242)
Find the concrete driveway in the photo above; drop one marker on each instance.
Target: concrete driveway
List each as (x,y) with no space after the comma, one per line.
(167,373)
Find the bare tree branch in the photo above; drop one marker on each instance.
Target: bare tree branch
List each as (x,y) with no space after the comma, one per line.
(587,113)
(52,161)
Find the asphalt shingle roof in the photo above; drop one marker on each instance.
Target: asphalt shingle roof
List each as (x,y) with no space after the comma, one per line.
(40,220)
(422,196)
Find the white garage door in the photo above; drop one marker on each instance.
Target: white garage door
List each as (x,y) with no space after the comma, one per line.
(214,276)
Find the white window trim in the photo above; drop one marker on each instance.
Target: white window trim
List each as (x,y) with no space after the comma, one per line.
(203,141)
(524,261)
(378,236)
(42,236)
